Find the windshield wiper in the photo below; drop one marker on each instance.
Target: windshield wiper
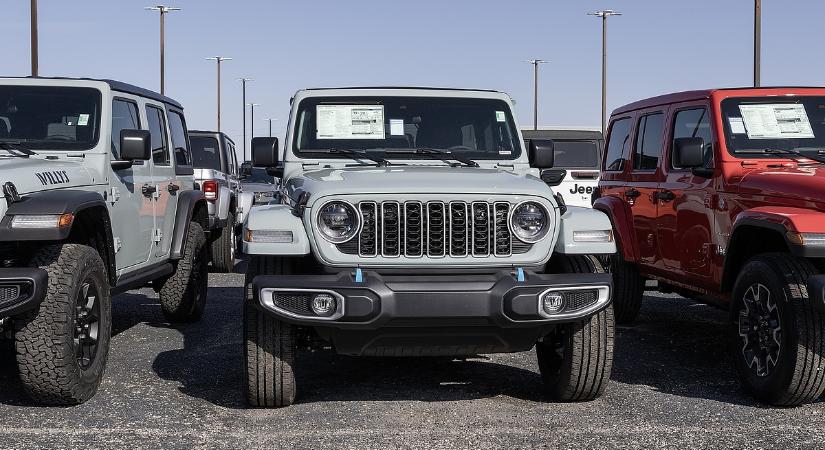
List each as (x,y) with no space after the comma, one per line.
(352,154)
(782,151)
(443,155)
(14,148)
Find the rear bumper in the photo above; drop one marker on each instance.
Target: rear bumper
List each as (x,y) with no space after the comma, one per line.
(456,314)
(21,289)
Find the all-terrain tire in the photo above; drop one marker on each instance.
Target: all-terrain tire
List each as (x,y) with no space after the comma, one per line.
(223,247)
(628,289)
(576,359)
(183,294)
(45,337)
(799,374)
(269,344)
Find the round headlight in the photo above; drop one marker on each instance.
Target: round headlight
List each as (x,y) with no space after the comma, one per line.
(529,222)
(338,222)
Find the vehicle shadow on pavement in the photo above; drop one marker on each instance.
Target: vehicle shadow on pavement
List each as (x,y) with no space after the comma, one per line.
(679,347)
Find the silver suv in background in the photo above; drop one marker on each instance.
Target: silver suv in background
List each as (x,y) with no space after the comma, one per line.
(216,170)
(575,174)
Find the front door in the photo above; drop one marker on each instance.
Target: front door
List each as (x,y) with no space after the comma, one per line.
(643,183)
(131,212)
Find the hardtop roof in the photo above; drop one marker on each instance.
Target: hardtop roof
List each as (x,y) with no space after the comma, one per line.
(115,86)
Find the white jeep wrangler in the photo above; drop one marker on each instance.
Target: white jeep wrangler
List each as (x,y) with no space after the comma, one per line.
(410,223)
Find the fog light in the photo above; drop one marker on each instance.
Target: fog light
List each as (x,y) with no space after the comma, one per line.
(552,302)
(323,305)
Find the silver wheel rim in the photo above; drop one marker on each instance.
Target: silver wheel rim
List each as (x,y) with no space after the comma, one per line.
(760,330)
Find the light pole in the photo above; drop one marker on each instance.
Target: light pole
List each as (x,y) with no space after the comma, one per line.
(252,117)
(162,9)
(270,125)
(535,63)
(34,38)
(757,42)
(243,84)
(219,59)
(604,14)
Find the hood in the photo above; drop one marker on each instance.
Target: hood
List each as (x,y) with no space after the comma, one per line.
(415,179)
(801,183)
(38,174)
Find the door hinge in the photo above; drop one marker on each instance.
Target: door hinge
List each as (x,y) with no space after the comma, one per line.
(156,194)
(114,195)
(157,236)
(118,244)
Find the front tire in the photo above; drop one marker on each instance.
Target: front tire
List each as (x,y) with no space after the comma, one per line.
(628,289)
(183,294)
(576,359)
(269,344)
(62,346)
(223,247)
(777,338)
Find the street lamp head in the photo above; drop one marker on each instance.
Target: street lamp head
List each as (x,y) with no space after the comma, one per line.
(162,8)
(604,13)
(246,79)
(218,58)
(536,61)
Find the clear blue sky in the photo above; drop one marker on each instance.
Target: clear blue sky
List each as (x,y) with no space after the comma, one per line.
(655,47)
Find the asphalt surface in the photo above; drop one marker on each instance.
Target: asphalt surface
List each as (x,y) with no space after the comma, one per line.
(180,387)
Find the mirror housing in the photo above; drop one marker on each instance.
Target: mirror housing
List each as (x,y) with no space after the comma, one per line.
(689,152)
(135,145)
(541,153)
(246,169)
(264,152)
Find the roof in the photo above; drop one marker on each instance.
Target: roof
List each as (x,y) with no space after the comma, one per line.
(118,86)
(225,136)
(686,96)
(561,133)
(422,88)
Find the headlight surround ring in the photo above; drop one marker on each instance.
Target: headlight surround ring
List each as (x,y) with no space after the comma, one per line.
(530,229)
(330,224)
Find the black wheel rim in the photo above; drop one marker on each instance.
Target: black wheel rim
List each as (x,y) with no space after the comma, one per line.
(760,330)
(87,324)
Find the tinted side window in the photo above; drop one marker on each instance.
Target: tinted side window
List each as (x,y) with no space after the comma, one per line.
(617,144)
(648,150)
(205,153)
(576,154)
(694,123)
(177,127)
(157,126)
(124,117)
(230,157)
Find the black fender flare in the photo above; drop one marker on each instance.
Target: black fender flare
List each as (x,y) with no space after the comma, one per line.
(187,203)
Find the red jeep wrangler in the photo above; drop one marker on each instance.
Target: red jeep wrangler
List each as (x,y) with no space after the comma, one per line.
(719,195)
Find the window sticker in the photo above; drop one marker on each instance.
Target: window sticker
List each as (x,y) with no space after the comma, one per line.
(776,121)
(737,125)
(500,116)
(350,122)
(82,120)
(397,127)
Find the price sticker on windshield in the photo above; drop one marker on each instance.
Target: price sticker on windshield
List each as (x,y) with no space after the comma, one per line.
(350,122)
(776,121)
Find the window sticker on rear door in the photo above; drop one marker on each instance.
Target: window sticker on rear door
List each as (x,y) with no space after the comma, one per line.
(776,121)
(350,122)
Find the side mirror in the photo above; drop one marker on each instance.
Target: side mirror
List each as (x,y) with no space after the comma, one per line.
(246,169)
(541,153)
(689,152)
(265,152)
(135,145)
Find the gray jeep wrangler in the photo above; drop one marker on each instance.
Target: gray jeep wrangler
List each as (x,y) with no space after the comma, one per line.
(98,198)
(410,223)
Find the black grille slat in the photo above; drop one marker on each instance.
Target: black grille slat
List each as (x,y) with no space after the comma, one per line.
(458,229)
(503,239)
(414,229)
(390,229)
(481,229)
(367,239)
(436,228)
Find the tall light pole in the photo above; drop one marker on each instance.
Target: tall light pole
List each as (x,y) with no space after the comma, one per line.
(243,84)
(162,9)
(219,59)
(535,63)
(270,125)
(252,117)
(34,38)
(757,42)
(604,14)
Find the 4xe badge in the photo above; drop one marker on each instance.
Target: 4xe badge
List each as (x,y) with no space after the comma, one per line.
(53,177)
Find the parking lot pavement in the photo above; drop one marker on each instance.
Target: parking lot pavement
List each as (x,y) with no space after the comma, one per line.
(180,387)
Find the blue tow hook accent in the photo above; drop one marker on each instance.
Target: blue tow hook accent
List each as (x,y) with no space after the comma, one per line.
(359,276)
(520,275)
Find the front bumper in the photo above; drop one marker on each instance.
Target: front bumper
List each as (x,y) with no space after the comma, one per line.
(21,289)
(424,315)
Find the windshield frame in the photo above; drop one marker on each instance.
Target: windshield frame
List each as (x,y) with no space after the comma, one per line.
(58,145)
(356,99)
(727,103)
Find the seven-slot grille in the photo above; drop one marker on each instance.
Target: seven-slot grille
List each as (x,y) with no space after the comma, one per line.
(434,229)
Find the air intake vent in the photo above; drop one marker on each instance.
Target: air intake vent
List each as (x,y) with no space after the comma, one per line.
(414,220)
(481,229)
(458,228)
(368,238)
(503,241)
(391,228)
(436,229)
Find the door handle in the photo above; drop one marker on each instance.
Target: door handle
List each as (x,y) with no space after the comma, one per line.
(665,196)
(148,190)
(632,193)
(172,188)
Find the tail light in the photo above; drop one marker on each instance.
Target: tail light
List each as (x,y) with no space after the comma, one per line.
(210,190)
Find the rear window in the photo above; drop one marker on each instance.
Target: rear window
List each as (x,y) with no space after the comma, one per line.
(576,154)
(205,152)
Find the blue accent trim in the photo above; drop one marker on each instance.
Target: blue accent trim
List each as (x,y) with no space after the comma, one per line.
(359,276)
(520,275)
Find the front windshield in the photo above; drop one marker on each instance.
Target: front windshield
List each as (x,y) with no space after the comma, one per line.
(258,175)
(47,117)
(756,127)
(386,126)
